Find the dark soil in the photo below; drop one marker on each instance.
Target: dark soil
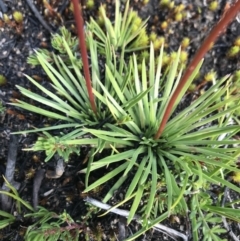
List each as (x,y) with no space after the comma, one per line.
(18,41)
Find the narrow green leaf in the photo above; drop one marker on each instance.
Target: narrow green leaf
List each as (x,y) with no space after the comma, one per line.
(107,177)
(213,160)
(136,99)
(90,161)
(169,85)
(18,199)
(115,158)
(115,187)
(153,187)
(7,215)
(138,89)
(193,218)
(119,204)
(208,132)
(40,111)
(150,225)
(169,185)
(80,82)
(146,171)
(136,203)
(5,223)
(196,142)
(136,177)
(230,213)
(56,127)
(114,82)
(154,81)
(144,88)
(187,84)
(134,158)
(180,192)
(210,93)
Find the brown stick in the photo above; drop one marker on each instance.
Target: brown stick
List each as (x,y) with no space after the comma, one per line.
(211,38)
(38,16)
(36,186)
(6,201)
(83,49)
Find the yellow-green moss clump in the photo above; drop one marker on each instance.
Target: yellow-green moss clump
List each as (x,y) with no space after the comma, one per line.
(166,59)
(100,18)
(157,44)
(185,42)
(145,2)
(213,6)
(210,76)
(233,51)
(173,56)
(152,36)
(90,4)
(144,55)
(142,40)
(183,56)
(164,3)
(236,76)
(6,19)
(164,25)
(18,17)
(237,42)
(3,80)
(178,17)
(236,177)
(192,88)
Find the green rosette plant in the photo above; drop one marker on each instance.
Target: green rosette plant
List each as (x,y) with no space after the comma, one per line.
(192,142)
(68,99)
(167,160)
(127,31)
(57,42)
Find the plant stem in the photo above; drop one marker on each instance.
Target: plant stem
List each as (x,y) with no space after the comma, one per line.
(83,49)
(209,40)
(193,219)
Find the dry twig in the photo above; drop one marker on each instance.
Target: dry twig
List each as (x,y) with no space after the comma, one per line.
(9,173)
(38,16)
(159,227)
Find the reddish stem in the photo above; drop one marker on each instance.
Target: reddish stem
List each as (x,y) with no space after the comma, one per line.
(62,229)
(210,39)
(83,49)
